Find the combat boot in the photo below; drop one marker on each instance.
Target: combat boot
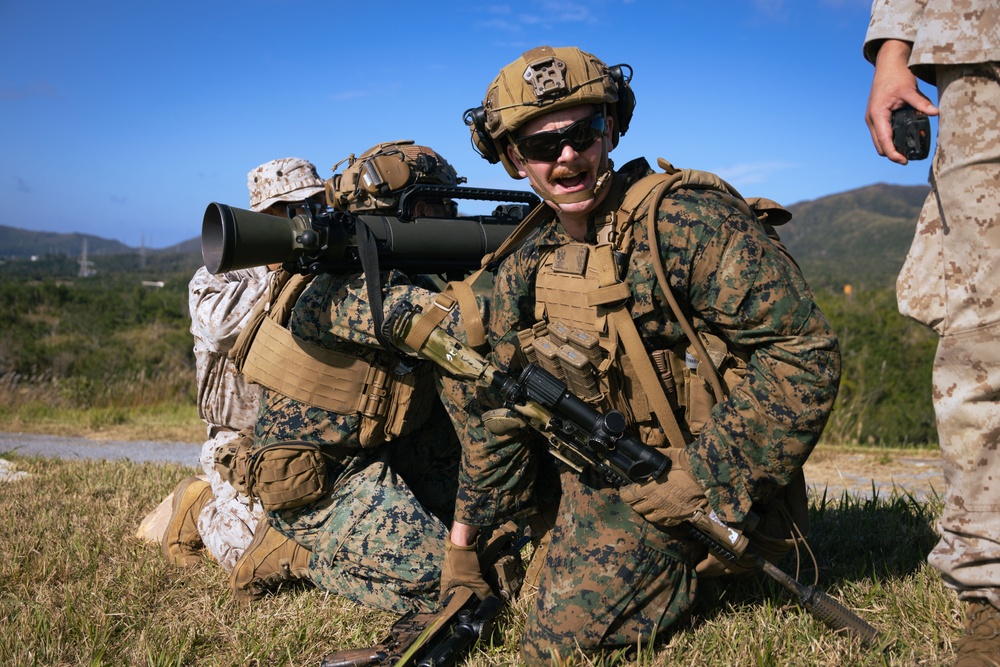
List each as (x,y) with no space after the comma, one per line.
(980,646)
(181,541)
(270,561)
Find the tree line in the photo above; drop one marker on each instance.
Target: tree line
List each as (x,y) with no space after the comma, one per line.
(92,342)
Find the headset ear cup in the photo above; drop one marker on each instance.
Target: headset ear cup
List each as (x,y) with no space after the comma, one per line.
(487,148)
(625,106)
(626,98)
(475,118)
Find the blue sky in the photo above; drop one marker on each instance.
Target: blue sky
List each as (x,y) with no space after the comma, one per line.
(124,119)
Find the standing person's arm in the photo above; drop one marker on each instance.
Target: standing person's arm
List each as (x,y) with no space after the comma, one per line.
(892,86)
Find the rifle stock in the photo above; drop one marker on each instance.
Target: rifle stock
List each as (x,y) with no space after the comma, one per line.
(407,638)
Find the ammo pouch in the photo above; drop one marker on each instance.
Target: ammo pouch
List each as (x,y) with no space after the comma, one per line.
(231,460)
(286,475)
(687,383)
(393,405)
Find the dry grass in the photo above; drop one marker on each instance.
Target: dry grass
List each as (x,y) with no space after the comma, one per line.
(168,424)
(131,408)
(76,588)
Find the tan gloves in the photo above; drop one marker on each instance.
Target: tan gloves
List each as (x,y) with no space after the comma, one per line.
(461,568)
(672,498)
(677,497)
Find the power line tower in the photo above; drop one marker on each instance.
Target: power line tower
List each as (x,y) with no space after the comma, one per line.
(86,266)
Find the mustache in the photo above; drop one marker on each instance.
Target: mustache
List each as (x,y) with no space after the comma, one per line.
(564,172)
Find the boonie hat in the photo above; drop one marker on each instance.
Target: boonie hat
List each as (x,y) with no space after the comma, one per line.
(287,179)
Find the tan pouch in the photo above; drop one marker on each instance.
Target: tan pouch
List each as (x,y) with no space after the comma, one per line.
(286,475)
(699,402)
(413,396)
(403,403)
(231,460)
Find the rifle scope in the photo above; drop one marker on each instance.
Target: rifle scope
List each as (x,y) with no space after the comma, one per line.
(606,435)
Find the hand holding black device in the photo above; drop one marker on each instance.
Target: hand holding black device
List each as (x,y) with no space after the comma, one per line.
(911,132)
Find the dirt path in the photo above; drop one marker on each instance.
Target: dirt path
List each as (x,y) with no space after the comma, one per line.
(835,470)
(918,473)
(31,444)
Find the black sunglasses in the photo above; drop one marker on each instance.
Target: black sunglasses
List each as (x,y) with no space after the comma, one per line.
(547,146)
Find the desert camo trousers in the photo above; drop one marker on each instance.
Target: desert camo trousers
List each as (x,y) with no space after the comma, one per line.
(610,579)
(227,522)
(951,282)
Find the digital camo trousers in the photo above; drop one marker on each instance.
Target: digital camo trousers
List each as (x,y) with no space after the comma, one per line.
(378,537)
(609,580)
(226,523)
(951,282)
(372,541)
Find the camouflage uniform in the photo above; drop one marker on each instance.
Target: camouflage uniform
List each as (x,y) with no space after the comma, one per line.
(611,578)
(220,305)
(951,278)
(379,536)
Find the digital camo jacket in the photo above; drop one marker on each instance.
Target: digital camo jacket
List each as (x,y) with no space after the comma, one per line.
(734,283)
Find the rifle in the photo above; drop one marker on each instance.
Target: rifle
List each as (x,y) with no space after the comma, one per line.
(583,438)
(441,638)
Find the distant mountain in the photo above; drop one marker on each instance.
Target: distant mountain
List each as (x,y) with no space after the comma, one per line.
(16,242)
(859,237)
(184,247)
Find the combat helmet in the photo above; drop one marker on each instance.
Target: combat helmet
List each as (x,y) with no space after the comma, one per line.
(286,179)
(375,180)
(543,80)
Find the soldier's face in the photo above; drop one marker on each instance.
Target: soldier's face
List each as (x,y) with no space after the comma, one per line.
(575,167)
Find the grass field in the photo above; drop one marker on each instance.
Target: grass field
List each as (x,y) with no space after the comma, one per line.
(77,588)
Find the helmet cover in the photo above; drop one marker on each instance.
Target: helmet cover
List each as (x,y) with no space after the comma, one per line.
(543,80)
(375,180)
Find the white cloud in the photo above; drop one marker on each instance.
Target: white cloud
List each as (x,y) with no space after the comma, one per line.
(750,173)
(544,14)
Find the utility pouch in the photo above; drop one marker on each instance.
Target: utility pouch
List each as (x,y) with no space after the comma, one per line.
(410,401)
(394,405)
(699,401)
(286,475)
(231,460)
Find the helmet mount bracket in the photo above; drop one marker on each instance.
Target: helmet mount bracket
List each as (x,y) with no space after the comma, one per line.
(547,77)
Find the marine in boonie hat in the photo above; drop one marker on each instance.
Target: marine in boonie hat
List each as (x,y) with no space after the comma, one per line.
(286,179)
